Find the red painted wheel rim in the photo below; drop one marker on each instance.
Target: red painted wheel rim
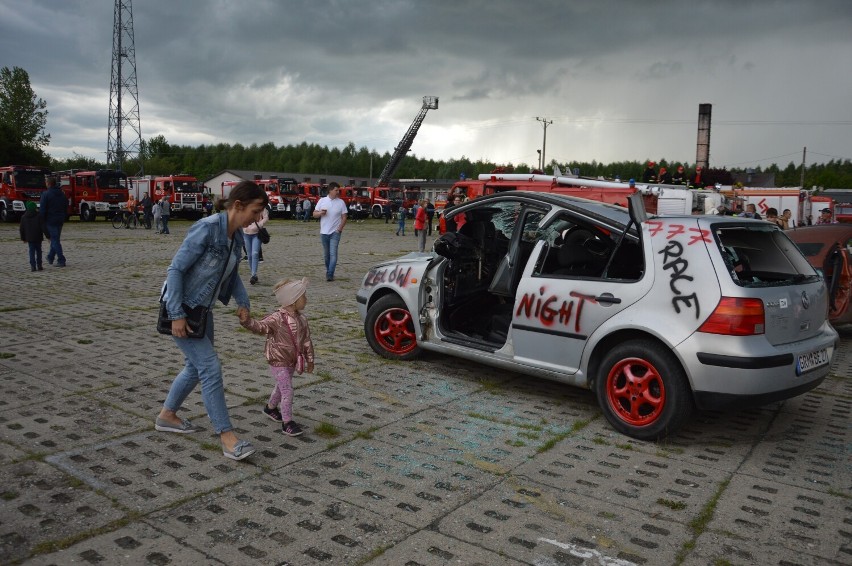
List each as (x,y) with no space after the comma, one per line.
(636,391)
(394,330)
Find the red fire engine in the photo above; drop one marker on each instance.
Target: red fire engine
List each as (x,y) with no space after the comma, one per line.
(282,193)
(183,191)
(94,193)
(19,184)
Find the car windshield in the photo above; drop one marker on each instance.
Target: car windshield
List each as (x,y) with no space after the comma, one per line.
(762,256)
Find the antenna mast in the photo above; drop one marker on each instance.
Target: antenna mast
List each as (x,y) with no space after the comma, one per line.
(124,137)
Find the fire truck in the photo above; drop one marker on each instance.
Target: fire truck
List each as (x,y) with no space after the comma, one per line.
(382,194)
(659,199)
(19,184)
(94,193)
(183,191)
(282,193)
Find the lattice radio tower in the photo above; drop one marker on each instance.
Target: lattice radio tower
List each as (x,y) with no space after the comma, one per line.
(125,133)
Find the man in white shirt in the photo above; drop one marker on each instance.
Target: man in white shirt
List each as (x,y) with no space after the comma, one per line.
(331,211)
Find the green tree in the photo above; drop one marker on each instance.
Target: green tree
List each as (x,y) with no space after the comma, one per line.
(22,114)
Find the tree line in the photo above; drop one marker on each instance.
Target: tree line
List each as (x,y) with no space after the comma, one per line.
(23,140)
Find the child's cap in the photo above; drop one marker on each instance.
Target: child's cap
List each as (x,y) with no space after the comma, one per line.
(290,291)
(30,205)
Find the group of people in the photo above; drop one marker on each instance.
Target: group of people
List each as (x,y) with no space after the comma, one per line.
(678,177)
(303,210)
(423,212)
(45,221)
(156,214)
(204,269)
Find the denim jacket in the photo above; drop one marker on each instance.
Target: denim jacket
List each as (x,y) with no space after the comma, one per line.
(194,272)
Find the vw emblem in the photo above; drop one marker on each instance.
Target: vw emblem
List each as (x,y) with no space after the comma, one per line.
(806,302)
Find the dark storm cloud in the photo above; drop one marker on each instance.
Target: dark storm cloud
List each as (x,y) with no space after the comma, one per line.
(331,72)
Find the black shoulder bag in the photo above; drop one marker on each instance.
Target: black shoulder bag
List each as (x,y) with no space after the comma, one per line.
(262,233)
(196,317)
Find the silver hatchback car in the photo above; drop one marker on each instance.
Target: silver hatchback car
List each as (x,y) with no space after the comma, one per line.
(657,315)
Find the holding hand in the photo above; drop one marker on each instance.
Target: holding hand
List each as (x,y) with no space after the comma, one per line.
(243,314)
(310,367)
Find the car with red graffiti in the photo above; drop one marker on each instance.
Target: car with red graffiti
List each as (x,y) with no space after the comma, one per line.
(658,315)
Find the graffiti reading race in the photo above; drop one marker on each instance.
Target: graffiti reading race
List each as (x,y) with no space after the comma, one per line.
(674,262)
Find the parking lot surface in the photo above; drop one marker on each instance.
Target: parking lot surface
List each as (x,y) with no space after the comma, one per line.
(432,462)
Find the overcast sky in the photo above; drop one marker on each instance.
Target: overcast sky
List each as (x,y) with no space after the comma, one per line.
(619,79)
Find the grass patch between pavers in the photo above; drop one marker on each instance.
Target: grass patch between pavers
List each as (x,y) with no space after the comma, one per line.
(699,523)
(327,430)
(551,442)
(6,355)
(673,505)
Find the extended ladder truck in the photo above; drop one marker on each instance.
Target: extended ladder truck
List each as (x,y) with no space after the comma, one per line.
(382,194)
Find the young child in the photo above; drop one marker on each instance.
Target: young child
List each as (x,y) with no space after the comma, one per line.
(32,232)
(288,348)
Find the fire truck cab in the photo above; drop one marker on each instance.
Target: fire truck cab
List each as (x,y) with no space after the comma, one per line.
(184,193)
(19,184)
(94,193)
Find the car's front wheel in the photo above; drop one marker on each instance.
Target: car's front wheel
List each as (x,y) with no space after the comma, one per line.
(389,328)
(642,390)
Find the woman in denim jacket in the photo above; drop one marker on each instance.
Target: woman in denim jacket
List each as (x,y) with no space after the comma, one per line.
(205,267)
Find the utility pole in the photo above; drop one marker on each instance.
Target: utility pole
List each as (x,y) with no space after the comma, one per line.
(804,154)
(544,122)
(123,113)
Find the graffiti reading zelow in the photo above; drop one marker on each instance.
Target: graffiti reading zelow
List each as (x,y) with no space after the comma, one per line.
(397,275)
(549,309)
(673,261)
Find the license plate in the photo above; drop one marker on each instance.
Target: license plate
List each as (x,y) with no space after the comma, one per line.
(811,360)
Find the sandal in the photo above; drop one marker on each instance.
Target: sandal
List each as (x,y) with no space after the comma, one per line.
(242,449)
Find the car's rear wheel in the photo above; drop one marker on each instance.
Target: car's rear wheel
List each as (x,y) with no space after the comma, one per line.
(642,390)
(389,328)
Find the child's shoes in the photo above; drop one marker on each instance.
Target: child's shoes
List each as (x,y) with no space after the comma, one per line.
(291,428)
(273,414)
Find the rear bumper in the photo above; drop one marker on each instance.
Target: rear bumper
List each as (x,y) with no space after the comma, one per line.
(709,400)
(726,371)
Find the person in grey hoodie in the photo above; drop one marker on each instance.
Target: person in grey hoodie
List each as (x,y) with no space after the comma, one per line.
(53,209)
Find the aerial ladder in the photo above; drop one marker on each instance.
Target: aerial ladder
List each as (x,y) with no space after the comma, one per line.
(429,103)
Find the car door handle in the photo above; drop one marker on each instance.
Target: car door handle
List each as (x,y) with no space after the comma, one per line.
(608,299)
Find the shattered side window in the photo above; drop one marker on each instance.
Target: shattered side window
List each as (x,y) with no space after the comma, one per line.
(762,256)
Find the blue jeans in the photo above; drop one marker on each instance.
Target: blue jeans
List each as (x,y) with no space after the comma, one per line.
(329,252)
(35,254)
(252,251)
(55,231)
(202,364)
(164,220)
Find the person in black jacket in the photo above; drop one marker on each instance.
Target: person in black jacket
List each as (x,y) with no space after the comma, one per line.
(649,175)
(32,232)
(53,209)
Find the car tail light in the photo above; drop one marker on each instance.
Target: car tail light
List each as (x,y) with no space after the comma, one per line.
(736,317)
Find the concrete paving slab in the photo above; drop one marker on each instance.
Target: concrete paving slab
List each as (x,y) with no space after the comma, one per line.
(762,521)
(618,475)
(429,548)
(533,522)
(409,487)
(137,543)
(66,421)
(148,471)
(41,504)
(275,520)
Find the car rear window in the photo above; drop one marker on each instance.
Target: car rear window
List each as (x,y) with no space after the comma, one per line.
(810,249)
(762,256)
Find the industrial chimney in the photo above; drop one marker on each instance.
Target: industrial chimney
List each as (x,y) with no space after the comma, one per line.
(702,151)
